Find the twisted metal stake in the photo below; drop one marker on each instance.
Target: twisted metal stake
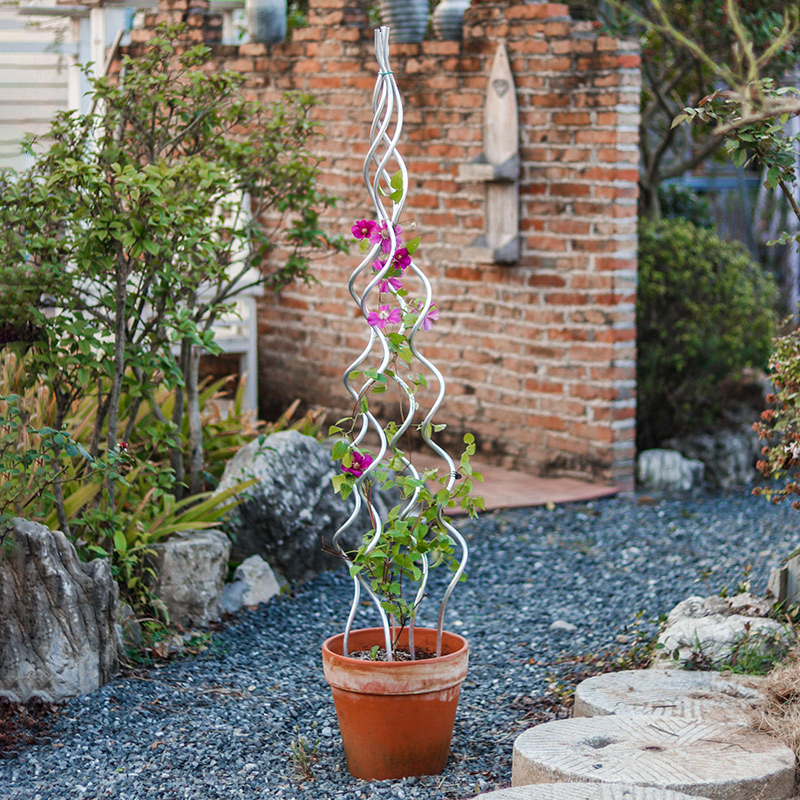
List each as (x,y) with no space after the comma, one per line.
(387,124)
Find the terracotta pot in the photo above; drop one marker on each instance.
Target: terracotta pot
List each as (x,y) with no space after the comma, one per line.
(396,717)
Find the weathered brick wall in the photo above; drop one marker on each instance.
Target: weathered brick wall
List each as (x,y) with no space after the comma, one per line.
(539,356)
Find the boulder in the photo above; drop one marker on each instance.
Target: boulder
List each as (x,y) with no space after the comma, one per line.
(292,512)
(714,631)
(253,582)
(58,617)
(729,455)
(668,471)
(191,568)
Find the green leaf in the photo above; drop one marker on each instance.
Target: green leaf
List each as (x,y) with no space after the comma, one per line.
(120,542)
(413,245)
(340,449)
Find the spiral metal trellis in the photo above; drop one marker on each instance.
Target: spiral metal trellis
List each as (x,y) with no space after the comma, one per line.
(385,132)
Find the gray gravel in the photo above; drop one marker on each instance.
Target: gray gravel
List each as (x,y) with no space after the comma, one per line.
(222,724)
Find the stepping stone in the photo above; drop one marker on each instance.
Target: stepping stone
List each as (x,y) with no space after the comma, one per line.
(583,791)
(700,757)
(669,691)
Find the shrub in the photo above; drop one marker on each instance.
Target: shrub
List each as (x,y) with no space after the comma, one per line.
(681,202)
(704,312)
(779,427)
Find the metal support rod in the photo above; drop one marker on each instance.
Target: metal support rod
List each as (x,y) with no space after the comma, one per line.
(382,154)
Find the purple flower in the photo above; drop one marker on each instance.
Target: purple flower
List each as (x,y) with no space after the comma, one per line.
(364,229)
(384,316)
(431,317)
(392,281)
(359,463)
(402,259)
(395,284)
(382,235)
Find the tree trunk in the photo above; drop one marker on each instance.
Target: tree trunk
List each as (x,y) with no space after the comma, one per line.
(120,335)
(191,379)
(176,453)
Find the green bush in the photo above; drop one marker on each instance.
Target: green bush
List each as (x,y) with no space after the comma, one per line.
(678,201)
(704,312)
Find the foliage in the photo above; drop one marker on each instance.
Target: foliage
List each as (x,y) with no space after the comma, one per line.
(135,223)
(304,755)
(35,457)
(120,247)
(680,202)
(750,655)
(779,427)
(750,114)
(703,313)
(688,48)
(32,461)
(393,560)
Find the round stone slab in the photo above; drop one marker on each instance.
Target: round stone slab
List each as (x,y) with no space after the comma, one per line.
(668,691)
(701,757)
(583,791)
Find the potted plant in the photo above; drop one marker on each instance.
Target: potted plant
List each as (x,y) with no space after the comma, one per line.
(388,679)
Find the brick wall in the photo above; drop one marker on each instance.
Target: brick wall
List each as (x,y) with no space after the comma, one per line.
(539,357)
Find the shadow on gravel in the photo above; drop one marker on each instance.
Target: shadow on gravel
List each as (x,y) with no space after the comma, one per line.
(23,724)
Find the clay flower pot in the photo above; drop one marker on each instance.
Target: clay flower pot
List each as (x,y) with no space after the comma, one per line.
(396,717)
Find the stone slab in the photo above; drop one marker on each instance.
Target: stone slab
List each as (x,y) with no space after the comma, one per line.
(583,791)
(710,759)
(669,691)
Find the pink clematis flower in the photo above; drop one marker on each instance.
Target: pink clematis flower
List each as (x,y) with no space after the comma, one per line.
(382,235)
(384,316)
(359,463)
(364,229)
(431,317)
(390,283)
(402,259)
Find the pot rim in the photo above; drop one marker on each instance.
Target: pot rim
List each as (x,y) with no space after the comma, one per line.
(395,677)
(451,656)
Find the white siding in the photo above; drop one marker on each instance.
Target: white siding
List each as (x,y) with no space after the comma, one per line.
(33,79)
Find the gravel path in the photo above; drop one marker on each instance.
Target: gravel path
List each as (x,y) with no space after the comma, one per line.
(222,724)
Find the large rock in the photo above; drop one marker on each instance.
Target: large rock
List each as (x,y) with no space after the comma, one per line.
(253,583)
(292,513)
(58,617)
(708,632)
(668,471)
(729,455)
(191,568)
